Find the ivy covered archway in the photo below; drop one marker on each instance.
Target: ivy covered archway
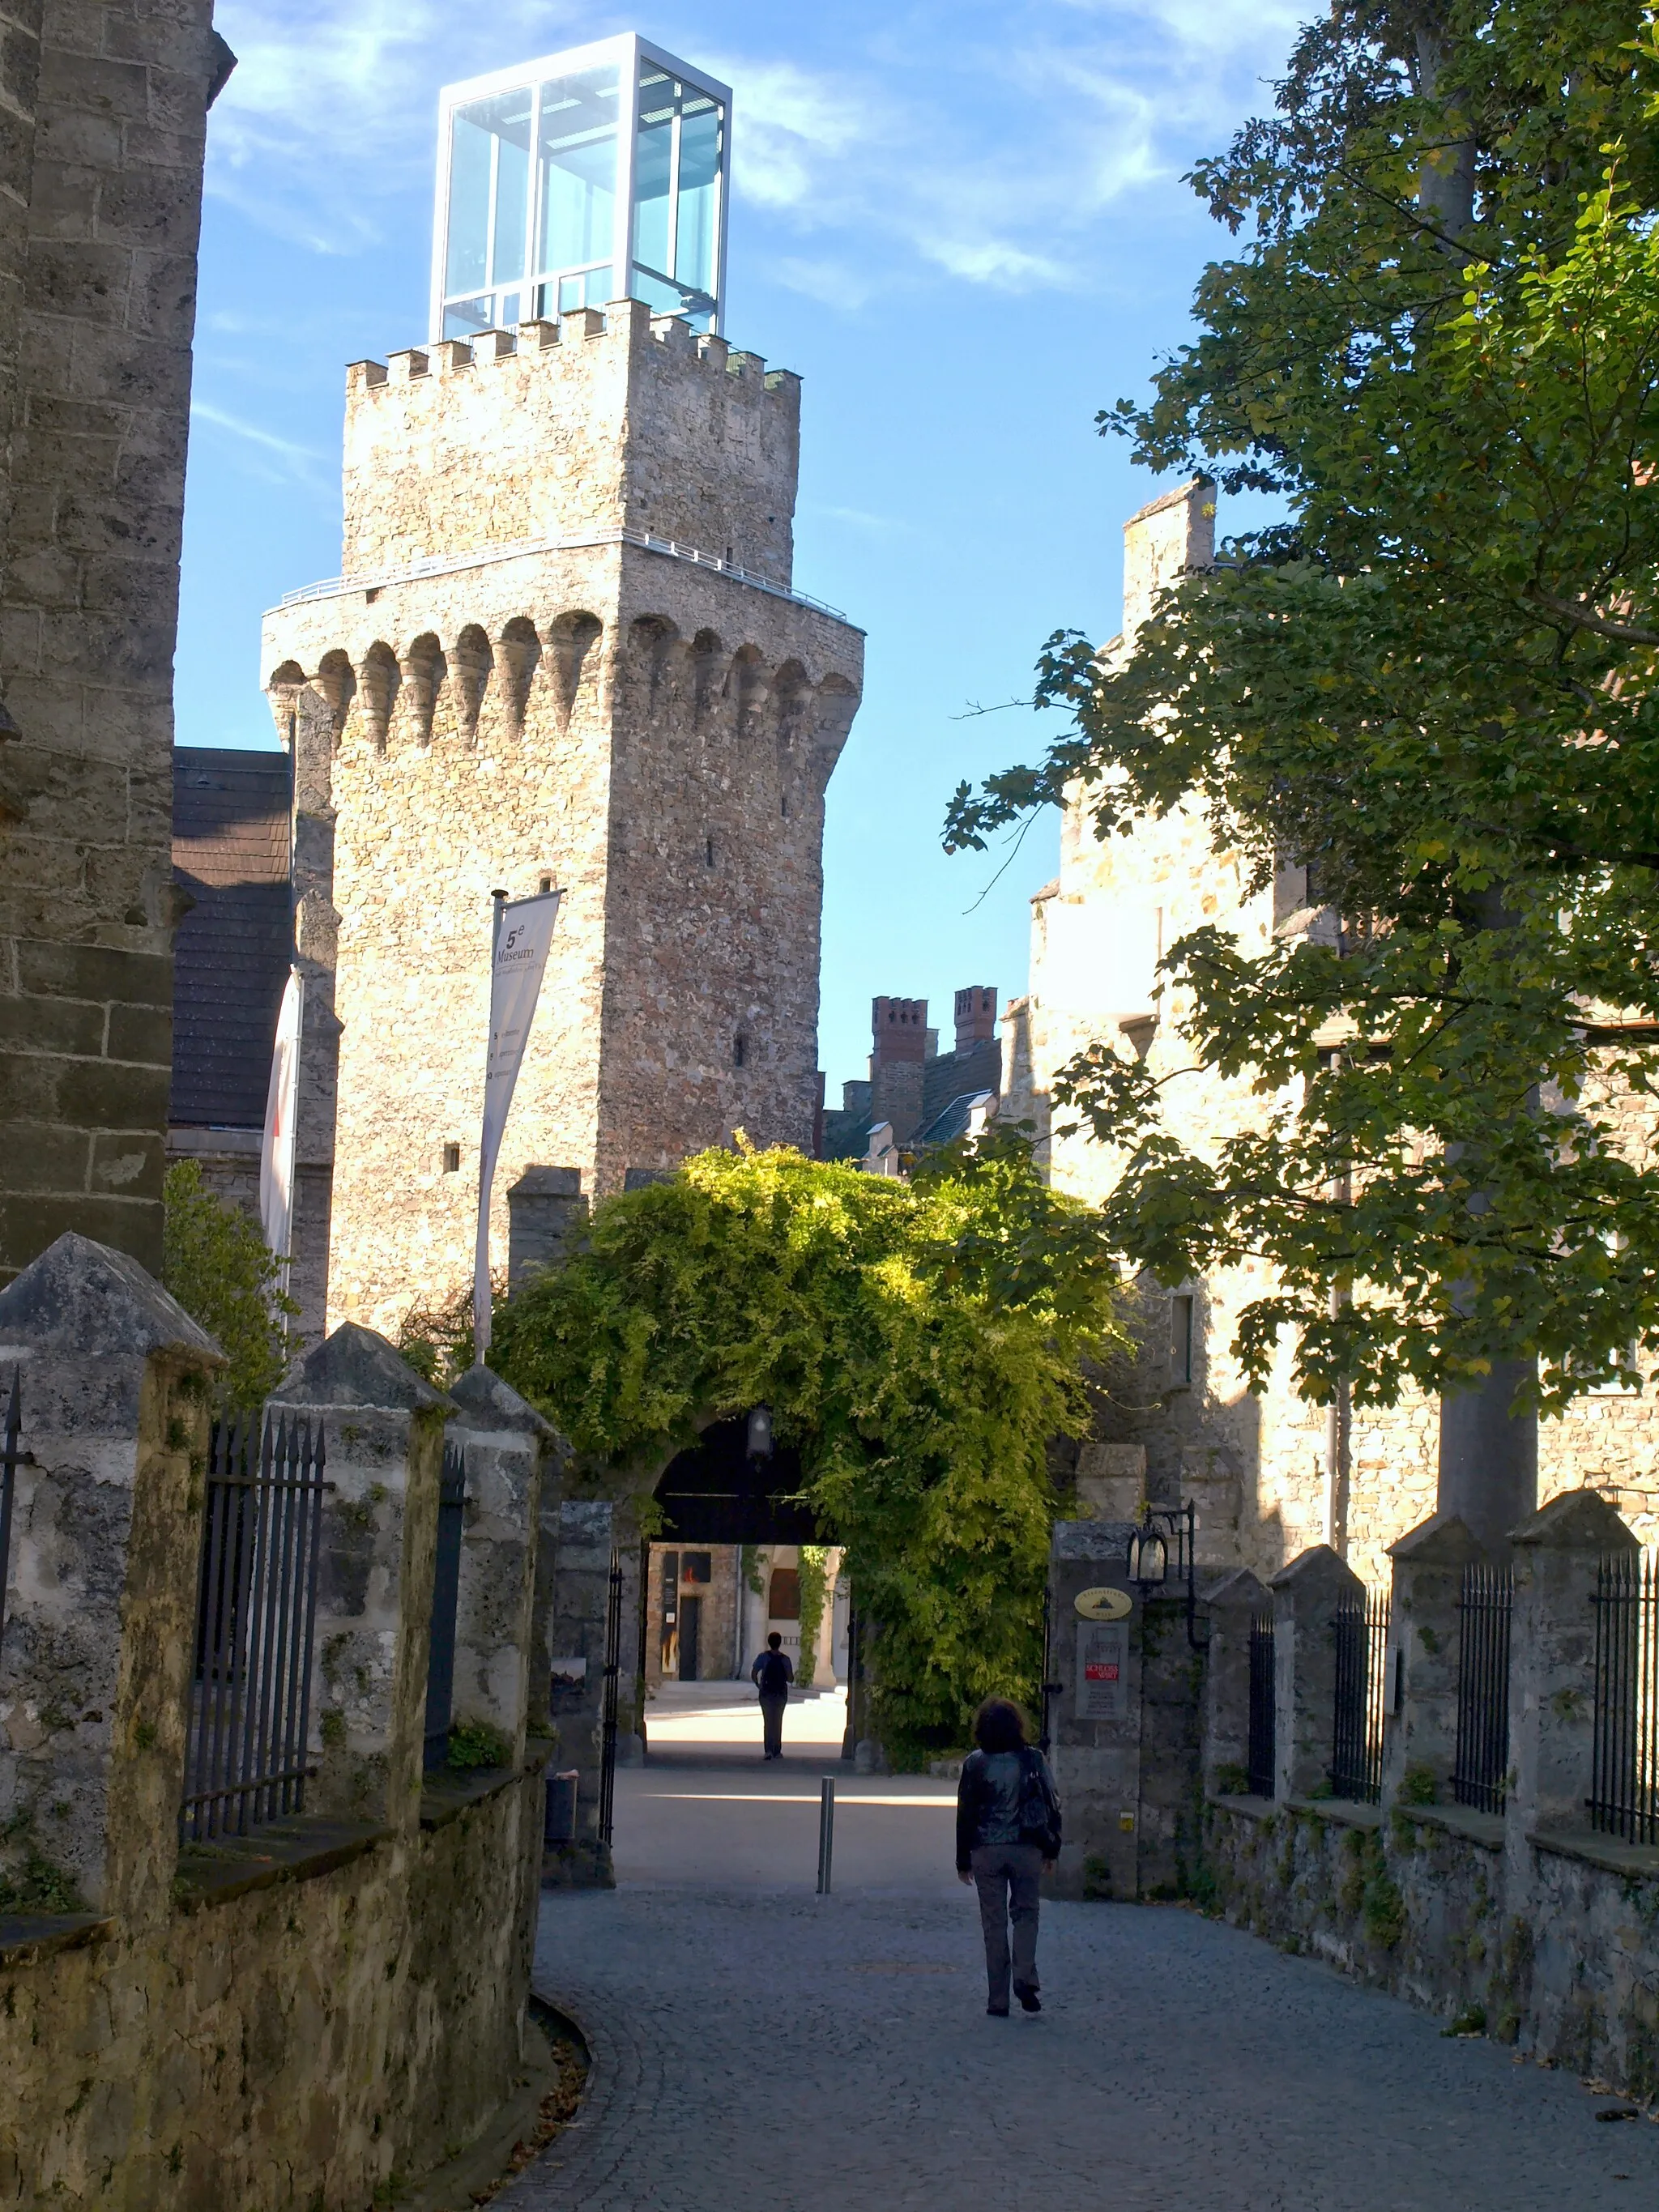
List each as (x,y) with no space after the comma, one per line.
(919,1345)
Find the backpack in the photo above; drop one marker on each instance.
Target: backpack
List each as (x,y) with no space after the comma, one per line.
(1039,1806)
(774,1675)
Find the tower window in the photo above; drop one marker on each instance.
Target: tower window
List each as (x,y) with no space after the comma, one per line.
(547,882)
(1181,1341)
(740,1049)
(452,1159)
(708,852)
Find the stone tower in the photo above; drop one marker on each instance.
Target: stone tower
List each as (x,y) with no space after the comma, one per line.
(566,650)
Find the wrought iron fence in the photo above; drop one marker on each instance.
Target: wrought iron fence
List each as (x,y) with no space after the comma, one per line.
(1262,1764)
(446,1602)
(256,1606)
(1361,1631)
(608,1709)
(1625,1772)
(10,1459)
(1479,1779)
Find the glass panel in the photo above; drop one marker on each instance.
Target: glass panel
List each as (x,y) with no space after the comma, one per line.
(578,163)
(700,161)
(490,155)
(467,237)
(590,289)
(465,318)
(652,161)
(512,184)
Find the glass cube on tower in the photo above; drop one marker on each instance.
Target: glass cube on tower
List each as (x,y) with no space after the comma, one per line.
(595,175)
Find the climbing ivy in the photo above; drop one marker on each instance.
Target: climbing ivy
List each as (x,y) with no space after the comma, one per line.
(216,1264)
(919,1343)
(814,1579)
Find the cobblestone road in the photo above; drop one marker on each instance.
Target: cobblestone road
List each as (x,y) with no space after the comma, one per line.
(777,2052)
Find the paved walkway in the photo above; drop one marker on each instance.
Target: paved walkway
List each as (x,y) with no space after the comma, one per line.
(759,2049)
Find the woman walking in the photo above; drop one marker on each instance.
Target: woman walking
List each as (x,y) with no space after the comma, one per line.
(1007,1831)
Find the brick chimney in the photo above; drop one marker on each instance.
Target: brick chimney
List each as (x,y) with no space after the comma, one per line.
(976,1017)
(898,1050)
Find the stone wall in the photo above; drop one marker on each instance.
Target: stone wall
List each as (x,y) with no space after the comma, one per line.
(309,2012)
(1528,1923)
(651,734)
(102,115)
(1098,932)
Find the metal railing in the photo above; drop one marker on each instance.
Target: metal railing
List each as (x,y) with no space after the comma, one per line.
(245,1761)
(1484,1602)
(447,564)
(1623,1798)
(610,1709)
(446,1603)
(1262,1761)
(1361,1632)
(10,1459)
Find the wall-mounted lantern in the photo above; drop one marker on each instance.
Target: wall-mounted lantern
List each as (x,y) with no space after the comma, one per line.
(760,1433)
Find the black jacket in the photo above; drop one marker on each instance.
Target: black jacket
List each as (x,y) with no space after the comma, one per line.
(774,1671)
(1039,1805)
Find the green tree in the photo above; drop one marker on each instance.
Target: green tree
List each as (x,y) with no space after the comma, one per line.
(1432,686)
(216,1264)
(918,1343)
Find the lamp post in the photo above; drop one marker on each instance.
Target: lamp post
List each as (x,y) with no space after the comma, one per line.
(1146,1557)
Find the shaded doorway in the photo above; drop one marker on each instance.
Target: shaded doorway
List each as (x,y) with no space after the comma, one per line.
(690,1628)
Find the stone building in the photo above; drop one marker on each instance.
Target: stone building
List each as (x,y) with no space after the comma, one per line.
(566,650)
(1271,1473)
(102,121)
(921,1095)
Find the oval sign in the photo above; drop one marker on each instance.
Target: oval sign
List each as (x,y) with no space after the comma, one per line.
(1104,1603)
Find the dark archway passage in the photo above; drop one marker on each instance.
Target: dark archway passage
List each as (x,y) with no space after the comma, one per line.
(713,1494)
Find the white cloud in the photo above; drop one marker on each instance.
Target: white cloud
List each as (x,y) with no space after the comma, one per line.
(296,462)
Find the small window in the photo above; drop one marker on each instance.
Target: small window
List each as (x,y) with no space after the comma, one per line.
(708,853)
(784,1603)
(1181,1341)
(740,1049)
(452,1159)
(547,882)
(697,1566)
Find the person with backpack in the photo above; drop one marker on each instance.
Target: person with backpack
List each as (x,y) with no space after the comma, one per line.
(772,1674)
(1007,1831)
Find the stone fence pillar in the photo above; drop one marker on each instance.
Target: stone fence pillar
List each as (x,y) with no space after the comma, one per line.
(1420,1719)
(1552,1661)
(1233,1604)
(546,1212)
(506,1443)
(1306,1597)
(1096,1655)
(580,1602)
(99,1640)
(383,1433)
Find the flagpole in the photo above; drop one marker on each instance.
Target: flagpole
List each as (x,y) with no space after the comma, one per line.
(486,1170)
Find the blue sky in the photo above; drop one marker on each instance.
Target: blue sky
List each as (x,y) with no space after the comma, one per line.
(962,225)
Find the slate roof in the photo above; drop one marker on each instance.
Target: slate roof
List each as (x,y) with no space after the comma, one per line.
(949,1087)
(230,852)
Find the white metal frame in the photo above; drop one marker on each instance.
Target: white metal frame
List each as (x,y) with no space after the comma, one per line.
(627,52)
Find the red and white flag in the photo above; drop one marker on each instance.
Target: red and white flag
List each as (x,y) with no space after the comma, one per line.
(524,931)
(282,1119)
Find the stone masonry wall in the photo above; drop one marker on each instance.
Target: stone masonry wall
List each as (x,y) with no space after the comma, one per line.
(291,2046)
(1097,934)
(651,735)
(703,450)
(102,113)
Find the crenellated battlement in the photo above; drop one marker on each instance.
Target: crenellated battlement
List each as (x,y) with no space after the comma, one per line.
(621,420)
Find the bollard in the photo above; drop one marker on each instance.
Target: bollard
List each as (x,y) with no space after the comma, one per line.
(559,1821)
(826,1830)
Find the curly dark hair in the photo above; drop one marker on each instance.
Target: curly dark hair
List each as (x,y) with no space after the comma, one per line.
(999,1725)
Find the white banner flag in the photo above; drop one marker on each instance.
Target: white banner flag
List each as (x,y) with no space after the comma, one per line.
(524,929)
(281,1121)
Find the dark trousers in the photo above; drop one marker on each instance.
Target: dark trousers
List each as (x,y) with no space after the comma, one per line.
(1006,1877)
(772,1725)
